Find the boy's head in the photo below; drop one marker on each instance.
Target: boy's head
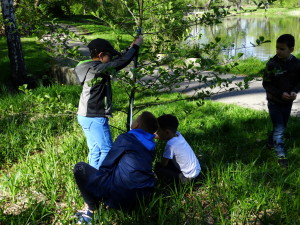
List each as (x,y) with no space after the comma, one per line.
(168,125)
(146,121)
(285,46)
(101,48)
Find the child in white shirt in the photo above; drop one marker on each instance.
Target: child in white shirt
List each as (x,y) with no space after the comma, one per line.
(179,161)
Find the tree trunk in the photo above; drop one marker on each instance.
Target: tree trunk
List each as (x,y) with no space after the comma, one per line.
(207,5)
(37,3)
(16,4)
(239,4)
(18,70)
(135,60)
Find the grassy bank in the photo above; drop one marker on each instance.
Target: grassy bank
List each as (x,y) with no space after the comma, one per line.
(250,66)
(36,59)
(241,183)
(271,11)
(253,66)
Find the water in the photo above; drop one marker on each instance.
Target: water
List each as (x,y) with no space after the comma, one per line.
(241,31)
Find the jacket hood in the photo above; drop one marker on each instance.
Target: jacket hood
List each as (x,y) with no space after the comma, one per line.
(83,67)
(144,137)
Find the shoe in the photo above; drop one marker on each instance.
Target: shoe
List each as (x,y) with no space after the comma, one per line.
(84,217)
(270,142)
(283,162)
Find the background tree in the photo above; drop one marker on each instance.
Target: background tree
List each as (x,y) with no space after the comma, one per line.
(18,69)
(237,3)
(207,5)
(166,27)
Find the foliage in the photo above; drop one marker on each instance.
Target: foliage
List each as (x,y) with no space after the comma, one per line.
(166,27)
(240,181)
(249,66)
(29,20)
(287,3)
(56,39)
(31,109)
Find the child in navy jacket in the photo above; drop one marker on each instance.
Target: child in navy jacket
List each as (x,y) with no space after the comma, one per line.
(125,174)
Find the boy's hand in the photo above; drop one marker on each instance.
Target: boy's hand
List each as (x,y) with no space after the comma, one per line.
(293,95)
(285,96)
(156,136)
(138,40)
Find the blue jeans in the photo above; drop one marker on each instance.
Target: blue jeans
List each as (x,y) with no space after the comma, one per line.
(280,115)
(98,136)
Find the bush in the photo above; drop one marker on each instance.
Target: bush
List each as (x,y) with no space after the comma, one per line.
(286,3)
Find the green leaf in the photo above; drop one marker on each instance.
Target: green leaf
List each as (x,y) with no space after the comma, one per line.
(240,55)
(217,39)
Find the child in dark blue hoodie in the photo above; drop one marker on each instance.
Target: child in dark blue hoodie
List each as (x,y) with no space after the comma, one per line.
(125,174)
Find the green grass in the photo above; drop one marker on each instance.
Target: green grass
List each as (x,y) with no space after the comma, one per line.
(37,61)
(242,183)
(252,66)
(42,141)
(249,66)
(271,12)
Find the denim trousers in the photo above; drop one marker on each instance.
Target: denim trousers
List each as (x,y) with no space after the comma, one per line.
(279,115)
(98,136)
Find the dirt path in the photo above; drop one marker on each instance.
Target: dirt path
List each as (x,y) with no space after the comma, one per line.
(254,98)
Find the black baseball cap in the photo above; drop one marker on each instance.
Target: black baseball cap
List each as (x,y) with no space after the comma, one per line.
(102,45)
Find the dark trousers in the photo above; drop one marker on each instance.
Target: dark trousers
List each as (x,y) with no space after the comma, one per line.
(279,115)
(94,191)
(85,175)
(170,173)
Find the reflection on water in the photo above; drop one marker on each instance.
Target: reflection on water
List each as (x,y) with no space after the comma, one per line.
(242,31)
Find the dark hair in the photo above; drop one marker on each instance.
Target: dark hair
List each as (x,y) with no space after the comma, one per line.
(168,121)
(287,39)
(148,122)
(101,45)
(94,53)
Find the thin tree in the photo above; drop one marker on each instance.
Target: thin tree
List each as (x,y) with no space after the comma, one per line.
(18,69)
(207,5)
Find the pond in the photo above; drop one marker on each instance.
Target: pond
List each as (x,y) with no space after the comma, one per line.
(242,31)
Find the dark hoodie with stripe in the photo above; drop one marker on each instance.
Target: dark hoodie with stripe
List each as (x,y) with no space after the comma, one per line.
(96,96)
(281,76)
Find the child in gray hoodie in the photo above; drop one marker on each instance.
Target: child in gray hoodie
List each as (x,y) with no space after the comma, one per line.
(96,96)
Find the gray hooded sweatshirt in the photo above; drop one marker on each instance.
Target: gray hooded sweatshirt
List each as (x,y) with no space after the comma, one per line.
(96,96)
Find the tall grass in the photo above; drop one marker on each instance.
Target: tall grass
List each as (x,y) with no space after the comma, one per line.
(241,182)
(36,59)
(250,66)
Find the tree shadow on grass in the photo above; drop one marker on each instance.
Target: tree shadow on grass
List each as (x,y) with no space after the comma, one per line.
(39,213)
(242,140)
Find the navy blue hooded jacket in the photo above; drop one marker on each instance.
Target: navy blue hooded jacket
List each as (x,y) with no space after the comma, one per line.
(125,173)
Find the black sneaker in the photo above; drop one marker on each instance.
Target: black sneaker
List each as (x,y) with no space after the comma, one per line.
(283,162)
(270,142)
